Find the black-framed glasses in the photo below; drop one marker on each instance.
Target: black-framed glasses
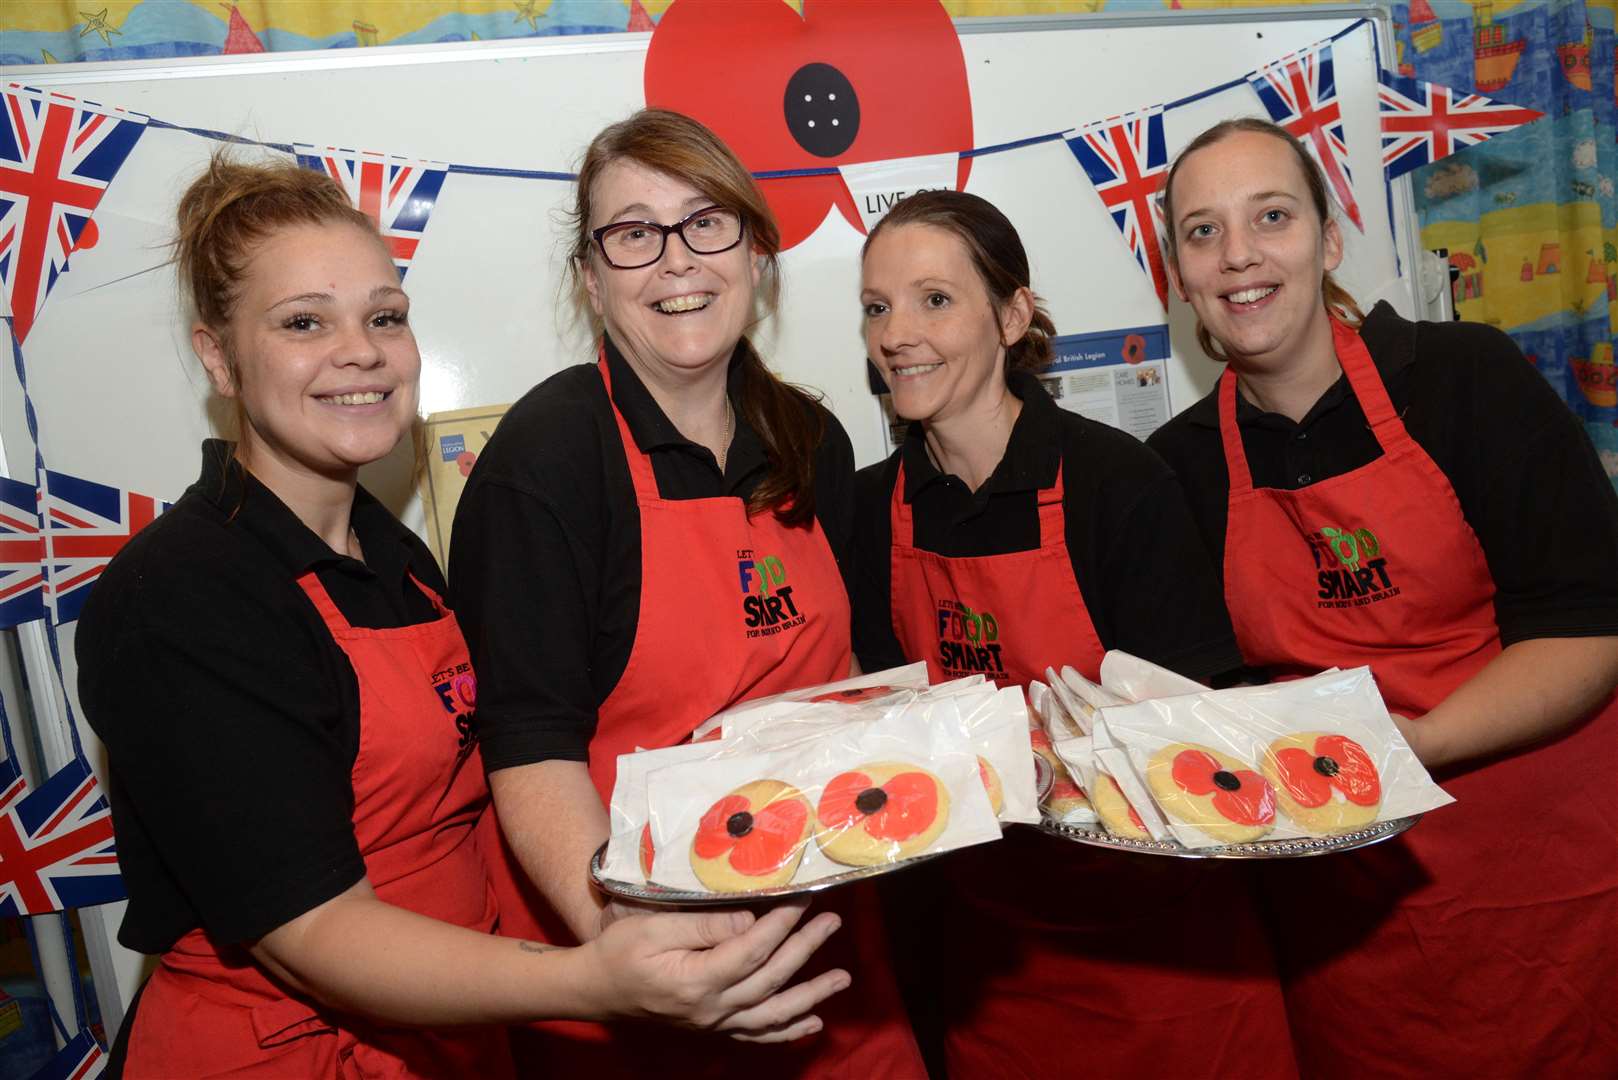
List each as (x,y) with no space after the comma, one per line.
(630,245)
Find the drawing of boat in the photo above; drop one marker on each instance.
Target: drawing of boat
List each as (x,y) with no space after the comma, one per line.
(1494,57)
(1426,32)
(1575,58)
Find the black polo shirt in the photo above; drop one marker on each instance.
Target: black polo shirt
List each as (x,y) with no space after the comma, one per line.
(545,554)
(230,715)
(1141,569)
(1528,480)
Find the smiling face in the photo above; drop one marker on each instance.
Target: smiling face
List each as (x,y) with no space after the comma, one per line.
(685,312)
(319,351)
(1252,250)
(931,327)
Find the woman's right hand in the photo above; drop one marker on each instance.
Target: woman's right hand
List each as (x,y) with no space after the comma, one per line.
(722,971)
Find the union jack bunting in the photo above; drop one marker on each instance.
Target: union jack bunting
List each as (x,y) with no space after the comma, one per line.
(1127,161)
(81,1059)
(1423,122)
(57,156)
(1300,93)
(22,551)
(396,193)
(85,525)
(56,846)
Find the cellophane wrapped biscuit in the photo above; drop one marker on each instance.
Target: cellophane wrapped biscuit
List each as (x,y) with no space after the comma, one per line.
(1068,800)
(1309,757)
(857,689)
(875,792)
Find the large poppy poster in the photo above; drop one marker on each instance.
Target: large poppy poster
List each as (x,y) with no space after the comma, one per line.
(845,81)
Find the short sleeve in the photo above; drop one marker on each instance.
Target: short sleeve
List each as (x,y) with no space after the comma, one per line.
(1533,490)
(231,760)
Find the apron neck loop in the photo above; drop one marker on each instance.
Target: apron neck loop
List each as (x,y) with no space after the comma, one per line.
(640,463)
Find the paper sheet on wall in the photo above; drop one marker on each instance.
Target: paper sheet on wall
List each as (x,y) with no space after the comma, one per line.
(454,440)
(1119,377)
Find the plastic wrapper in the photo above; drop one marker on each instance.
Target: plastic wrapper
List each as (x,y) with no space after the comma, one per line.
(629,848)
(1068,801)
(1083,697)
(859,795)
(1110,807)
(1310,757)
(858,689)
(1129,678)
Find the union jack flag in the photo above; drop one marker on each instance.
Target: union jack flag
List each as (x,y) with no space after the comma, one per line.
(85,525)
(1127,161)
(56,846)
(12,785)
(396,193)
(81,1059)
(1423,122)
(57,156)
(22,551)
(1300,92)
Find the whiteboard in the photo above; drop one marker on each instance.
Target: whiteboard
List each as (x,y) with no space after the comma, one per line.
(121,399)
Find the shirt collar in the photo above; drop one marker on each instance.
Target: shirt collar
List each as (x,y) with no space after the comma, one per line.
(1389,339)
(248,504)
(1033,452)
(653,431)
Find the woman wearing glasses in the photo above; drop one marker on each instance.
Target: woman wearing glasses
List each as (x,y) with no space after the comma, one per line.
(602,554)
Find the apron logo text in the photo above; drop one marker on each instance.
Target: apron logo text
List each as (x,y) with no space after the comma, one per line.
(767,603)
(968,641)
(1350,570)
(457,690)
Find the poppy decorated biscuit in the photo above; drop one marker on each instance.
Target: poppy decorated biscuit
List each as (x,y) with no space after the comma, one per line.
(1326,783)
(752,838)
(991,783)
(1114,810)
(881,813)
(647,851)
(856,696)
(1212,791)
(1066,795)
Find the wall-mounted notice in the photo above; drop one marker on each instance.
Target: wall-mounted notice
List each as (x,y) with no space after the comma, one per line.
(454,440)
(1119,377)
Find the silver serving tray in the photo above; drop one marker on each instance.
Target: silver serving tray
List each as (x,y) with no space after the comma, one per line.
(1258,849)
(644,892)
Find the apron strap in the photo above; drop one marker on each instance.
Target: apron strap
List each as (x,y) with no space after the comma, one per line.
(640,463)
(1363,379)
(1052,519)
(309,582)
(899,513)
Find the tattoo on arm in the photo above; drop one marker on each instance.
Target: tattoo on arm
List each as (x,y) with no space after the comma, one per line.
(536,947)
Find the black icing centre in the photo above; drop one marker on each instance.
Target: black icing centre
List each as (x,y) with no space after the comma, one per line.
(871,800)
(1227,781)
(1326,766)
(739,824)
(821,109)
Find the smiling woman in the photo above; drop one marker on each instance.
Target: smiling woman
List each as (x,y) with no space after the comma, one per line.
(1491,626)
(595,562)
(294,793)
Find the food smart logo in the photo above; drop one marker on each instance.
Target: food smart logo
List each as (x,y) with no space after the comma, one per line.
(1350,568)
(968,641)
(457,690)
(768,606)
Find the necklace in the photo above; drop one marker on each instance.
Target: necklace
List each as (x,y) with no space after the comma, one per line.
(724,442)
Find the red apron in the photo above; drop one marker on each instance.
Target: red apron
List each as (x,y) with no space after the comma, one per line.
(1485,941)
(1074,961)
(210,1011)
(732,607)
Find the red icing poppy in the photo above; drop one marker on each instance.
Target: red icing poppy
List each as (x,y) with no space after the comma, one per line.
(1338,762)
(850,697)
(759,842)
(1242,796)
(908,806)
(764,79)
(647,852)
(1134,349)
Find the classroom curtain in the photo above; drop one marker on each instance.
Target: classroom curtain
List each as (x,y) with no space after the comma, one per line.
(1529,219)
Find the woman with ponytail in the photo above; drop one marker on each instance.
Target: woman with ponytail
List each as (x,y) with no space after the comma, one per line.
(1007,535)
(609,560)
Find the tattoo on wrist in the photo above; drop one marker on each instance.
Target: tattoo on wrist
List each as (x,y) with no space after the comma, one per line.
(536,947)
